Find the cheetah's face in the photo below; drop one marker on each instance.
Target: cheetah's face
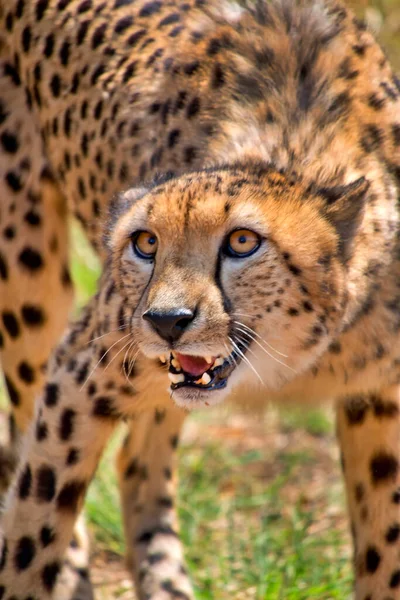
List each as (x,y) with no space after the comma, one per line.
(230,277)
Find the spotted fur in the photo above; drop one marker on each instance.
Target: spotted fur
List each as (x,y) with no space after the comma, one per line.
(280,117)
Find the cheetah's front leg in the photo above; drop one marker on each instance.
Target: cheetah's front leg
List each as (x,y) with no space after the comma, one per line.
(146,466)
(60,456)
(369,435)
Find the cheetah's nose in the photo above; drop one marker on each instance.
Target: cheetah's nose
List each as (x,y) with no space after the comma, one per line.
(170,325)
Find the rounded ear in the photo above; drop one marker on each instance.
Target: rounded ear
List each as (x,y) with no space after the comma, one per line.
(345,210)
(119,205)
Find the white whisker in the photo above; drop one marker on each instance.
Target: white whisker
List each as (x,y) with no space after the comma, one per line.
(244,332)
(259,337)
(108,333)
(238,350)
(101,358)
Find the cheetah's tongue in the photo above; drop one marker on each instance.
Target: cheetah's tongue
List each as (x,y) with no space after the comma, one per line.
(194,365)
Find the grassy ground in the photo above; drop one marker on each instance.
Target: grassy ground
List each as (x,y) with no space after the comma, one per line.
(261,502)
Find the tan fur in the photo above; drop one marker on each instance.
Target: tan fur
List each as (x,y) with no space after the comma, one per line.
(280,118)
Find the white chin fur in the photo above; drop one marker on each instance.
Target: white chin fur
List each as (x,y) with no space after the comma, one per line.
(192,398)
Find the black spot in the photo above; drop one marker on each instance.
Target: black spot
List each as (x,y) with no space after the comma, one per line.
(3,554)
(32,218)
(395,580)
(169,20)
(11,324)
(64,53)
(24,553)
(383,467)
(55,86)
(49,575)
(67,424)
(84,6)
(193,107)
(218,76)
(99,35)
(41,8)
(49,45)
(104,407)
(150,9)
(372,559)
(189,154)
(82,372)
(147,536)
(359,492)
(396,134)
(165,502)
(356,408)
(132,469)
(70,495)
(376,102)
(3,268)
(123,24)
(135,37)
(9,141)
(13,181)
(25,483)
(47,536)
(82,31)
(129,71)
(173,137)
(384,408)
(46,484)
(191,68)
(31,259)
(41,431)
(32,315)
(72,457)
(13,393)
(393,534)
(26,372)
(51,394)
(97,73)
(293,269)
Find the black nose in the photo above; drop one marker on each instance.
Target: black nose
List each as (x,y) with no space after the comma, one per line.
(170,325)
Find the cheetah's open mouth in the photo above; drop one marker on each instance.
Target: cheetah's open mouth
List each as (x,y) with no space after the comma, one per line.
(201,372)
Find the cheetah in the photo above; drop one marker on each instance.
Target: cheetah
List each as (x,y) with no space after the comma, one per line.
(237,168)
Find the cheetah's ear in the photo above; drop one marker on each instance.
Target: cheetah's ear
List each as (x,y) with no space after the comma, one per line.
(119,204)
(345,207)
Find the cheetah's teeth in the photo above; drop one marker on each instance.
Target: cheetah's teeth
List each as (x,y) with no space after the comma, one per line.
(205,378)
(176,378)
(218,362)
(162,359)
(175,363)
(208,359)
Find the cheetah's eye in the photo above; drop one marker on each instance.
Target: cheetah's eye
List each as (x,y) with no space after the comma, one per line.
(144,244)
(241,243)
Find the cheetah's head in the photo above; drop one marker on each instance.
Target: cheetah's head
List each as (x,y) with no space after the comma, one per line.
(234,274)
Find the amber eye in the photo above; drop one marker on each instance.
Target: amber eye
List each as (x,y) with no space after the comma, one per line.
(241,243)
(144,244)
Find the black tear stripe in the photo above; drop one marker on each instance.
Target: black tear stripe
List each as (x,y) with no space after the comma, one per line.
(217,277)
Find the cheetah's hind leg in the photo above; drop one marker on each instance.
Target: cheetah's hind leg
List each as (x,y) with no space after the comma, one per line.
(35,287)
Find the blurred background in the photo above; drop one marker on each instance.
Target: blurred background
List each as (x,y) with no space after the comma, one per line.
(261,501)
